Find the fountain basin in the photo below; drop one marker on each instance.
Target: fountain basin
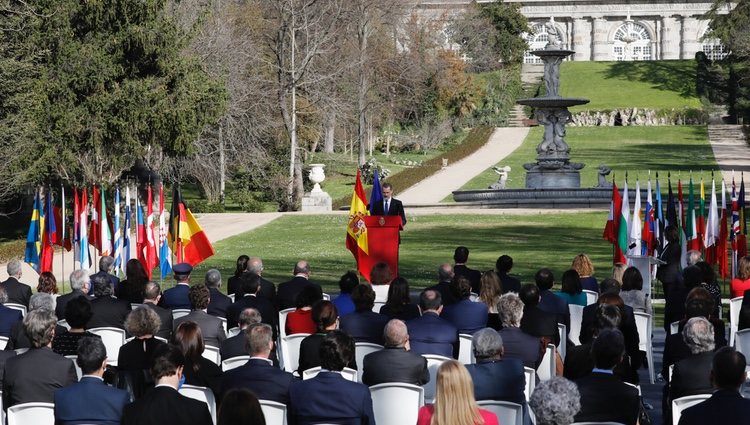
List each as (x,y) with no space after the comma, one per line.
(552,102)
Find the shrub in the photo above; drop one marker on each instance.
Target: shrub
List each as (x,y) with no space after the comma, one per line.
(204,206)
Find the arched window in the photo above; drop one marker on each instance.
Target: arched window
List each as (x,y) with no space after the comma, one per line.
(536,40)
(632,42)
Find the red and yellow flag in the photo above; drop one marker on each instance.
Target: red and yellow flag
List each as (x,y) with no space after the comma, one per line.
(188,240)
(356,231)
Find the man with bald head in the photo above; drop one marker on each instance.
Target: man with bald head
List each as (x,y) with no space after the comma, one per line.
(395,363)
(288,291)
(430,333)
(445,284)
(267,288)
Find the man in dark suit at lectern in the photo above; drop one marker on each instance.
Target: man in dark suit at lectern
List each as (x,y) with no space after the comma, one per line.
(389,205)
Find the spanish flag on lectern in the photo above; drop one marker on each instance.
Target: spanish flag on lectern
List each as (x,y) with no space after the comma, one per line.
(192,245)
(356,231)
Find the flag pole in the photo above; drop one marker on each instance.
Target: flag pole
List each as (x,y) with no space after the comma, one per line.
(62,239)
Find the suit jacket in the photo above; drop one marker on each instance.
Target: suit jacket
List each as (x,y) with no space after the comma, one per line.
(520,345)
(288,291)
(233,347)
(8,316)
(394,365)
(744,319)
(218,304)
(18,293)
(605,397)
(165,328)
(19,339)
(89,401)
(268,313)
(364,326)
(408,312)
(466,315)
(474,276)
(431,334)
(329,398)
(670,273)
(108,311)
(510,283)
(62,301)
(211,327)
(628,329)
(724,407)
(551,303)
(539,323)
(35,376)
(446,292)
(396,207)
(499,380)
(267,289)
(163,405)
(114,280)
(133,356)
(177,297)
(4,356)
(260,377)
(692,375)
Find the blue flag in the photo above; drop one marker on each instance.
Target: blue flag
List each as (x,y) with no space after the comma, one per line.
(33,238)
(377,192)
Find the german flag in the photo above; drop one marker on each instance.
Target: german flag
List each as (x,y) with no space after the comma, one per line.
(186,237)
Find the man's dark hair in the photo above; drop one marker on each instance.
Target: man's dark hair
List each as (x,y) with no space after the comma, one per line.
(504,263)
(461,255)
(632,280)
(336,350)
(698,308)
(102,286)
(707,272)
(348,281)
(363,297)
(199,296)
(78,312)
(430,299)
(544,279)
(608,316)
(692,276)
(461,287)
(91,354)
(151,290)
(387,185)
(249,282)
(529,294)
(608,348)
(728,368)
(309,295)
(166,361)
(609,286)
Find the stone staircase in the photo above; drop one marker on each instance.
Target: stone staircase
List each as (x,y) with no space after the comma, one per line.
(725,133)
(531,75)
(730,147)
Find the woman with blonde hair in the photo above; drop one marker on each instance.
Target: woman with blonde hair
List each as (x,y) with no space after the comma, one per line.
(741,283)
(585,268)
(490,289)
(454,400)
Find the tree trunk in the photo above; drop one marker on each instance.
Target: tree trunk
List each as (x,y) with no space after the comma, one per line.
(329,129)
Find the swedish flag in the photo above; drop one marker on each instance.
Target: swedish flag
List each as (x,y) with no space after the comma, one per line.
(34,237)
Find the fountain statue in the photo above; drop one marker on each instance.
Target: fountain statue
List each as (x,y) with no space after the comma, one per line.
(553,168)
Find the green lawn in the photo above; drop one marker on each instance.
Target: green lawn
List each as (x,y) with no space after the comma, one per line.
(637,149)
(652,84)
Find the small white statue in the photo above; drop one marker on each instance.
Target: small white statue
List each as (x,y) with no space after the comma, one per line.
(503,173)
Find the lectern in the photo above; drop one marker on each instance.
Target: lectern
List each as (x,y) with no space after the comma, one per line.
(643,263)
(383,239)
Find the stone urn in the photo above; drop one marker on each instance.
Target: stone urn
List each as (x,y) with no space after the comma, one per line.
(317,176)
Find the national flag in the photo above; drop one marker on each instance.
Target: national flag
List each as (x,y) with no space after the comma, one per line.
(49,234)
(151,260)
(636,225)
(176,219)
(140,232)
(188,234)
(734,227)
(742,235)
(117,232)
(61,221)
(691,227)
(356,230)
(672,219)
(126,240)
(681,226)
(165,254)
(83,222)
(376,197)
(701,217)
(76,235)
(721,243)
(659,218)
(711,233)
(649,225)
(105,238)
(623,229)
(32,254)
(94,226)
(611,228)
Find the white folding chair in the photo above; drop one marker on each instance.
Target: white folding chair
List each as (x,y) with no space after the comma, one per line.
(326,297)
(274,412)
(224,323)
(396,403)
(433,363)
(361,349)
(644,325)
(3,342)
(212,353)
(530,375)
(75,363)
(348,373)
(377,305)
(742,342)
(576,317)
(282,321)
(670,371)
(674,327)
(507,413)
(682,403)
(290,351)
(547,369)
(563,346)
(179,312)
(113,339)
(734,318)
(201,394)
(64,324)
(591,296)
(234,362)
(233,331)
(133,306)
(473,297)
(381,292)
(231,297)
(19,307)
(31,413)
(465,353)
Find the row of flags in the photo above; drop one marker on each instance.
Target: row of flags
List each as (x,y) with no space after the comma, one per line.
(93,230)
(701,227)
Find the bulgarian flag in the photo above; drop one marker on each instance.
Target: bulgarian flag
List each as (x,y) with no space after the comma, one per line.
(623,228)
(356,230)
(613,221)
(186,236)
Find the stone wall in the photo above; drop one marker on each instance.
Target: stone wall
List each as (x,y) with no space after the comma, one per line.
(639,116)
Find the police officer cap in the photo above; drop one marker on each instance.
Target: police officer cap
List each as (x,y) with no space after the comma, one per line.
(182,269)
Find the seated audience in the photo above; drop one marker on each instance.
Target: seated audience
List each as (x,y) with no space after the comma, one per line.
(503,265)
(536,321)
(364,325)
(395,363)
(131,289)
(212,328)
(251,288)
(106,264)
(90,401)
(709,283)
(555,402)
(77,314)
(198,370)
(466,315)
(287,295)
(380,278)
(329,397)
(489,294)
(741,282)
(240,407)
(8,316)
(571,289)
(454,400)
(430,333)
(106,311)
(343,301)
(445,284)
(163,405)
(548,301)
(267,288)
(517,344)
(79,285)
(632,293)
(495,377)
(18,292)
(701,295)
(18,337)
(259,374)
(604,397)
(235,346)
(399,305)
(151,297)
(36,374)
(47,283)
(234,283)
(136,357)
(300,321)
(460,258)
(176,297)
(326,319)
(726,405)
(585,268)
(219,302)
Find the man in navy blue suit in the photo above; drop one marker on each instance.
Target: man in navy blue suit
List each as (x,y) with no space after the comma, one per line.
(495,377)
(90,401)
(259,374)
(219,302)
(460,257)
(503,265)
(550,302)
(430,333)
(8,316)
(390,205)
(466,315)
(364,325)
(177,297)
(329,397)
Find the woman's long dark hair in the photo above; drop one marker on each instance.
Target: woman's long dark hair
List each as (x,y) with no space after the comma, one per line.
(398,295)
(189,338)
(241,265)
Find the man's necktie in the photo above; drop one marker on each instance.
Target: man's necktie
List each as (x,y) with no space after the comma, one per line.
(387,206)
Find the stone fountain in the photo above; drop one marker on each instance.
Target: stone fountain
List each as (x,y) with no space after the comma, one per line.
(553,168)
